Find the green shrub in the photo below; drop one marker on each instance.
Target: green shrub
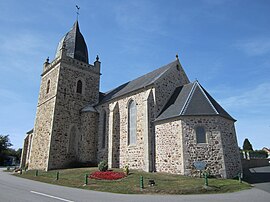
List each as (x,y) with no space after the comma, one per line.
(103,166)
(258,154)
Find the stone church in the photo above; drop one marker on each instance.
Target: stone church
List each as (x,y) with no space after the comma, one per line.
(158,122)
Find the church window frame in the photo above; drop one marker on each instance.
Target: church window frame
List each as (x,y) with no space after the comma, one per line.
(80,85)
(132,122)
(48,86)
(201,135)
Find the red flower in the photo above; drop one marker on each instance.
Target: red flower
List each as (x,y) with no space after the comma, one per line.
(107,175)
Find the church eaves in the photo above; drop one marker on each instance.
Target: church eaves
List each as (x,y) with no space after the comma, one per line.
(191,100)
(74,44)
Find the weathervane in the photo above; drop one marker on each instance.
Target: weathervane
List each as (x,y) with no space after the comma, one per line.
(78,8)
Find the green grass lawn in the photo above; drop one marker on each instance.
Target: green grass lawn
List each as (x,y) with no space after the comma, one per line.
(165,183)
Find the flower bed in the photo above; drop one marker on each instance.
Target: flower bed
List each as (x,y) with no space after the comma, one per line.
(107,175)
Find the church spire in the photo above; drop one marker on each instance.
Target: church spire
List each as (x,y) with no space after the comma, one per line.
(75,44)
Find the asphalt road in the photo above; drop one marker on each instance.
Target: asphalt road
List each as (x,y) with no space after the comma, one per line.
(259,177)
(15,189)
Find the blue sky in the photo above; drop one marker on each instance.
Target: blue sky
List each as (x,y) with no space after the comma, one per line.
(225,44)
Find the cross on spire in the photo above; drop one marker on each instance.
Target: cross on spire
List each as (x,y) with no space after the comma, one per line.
(78,13)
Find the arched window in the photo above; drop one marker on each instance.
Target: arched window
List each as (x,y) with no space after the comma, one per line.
(132,123)
(200,135)
(79,87)
(48,87)
(104,130)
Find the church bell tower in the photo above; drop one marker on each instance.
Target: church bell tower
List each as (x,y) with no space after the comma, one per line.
(68,84)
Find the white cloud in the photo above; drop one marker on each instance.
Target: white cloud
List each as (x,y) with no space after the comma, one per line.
(254,47)
(255,100)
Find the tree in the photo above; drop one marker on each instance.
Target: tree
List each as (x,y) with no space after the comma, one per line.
(247,146)
(13,152)
(4,143)
(4,147)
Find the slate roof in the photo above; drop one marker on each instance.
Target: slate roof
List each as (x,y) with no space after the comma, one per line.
(75,44)
(191,99)
(138,83)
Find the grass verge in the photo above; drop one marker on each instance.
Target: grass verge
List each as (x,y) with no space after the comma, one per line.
(165,183)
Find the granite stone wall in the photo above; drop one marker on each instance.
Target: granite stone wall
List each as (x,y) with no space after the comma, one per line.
(44,118)
(151,144)
(58,117)
(68,114)
(88,142)
(25,151)
(122,153)
(230,149)
(176,139)
(103,131)
(27,158)
(220,144)
(169,149)
(166,84)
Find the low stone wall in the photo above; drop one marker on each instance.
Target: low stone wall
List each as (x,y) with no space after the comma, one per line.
(253,163)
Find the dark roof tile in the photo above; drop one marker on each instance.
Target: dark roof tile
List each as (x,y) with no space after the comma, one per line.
(75,45)
(138,83)
(191,99)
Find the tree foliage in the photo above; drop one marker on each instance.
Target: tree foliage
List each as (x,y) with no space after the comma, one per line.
(4,143)
(247,146)
(6,151)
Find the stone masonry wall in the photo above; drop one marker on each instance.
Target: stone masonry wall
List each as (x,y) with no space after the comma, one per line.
(24,151)
(151,131)
(166,84)
(30,138)
(169,154)
(88,143)
(215,151)
(210,152)
(132,155)
(44,118)
(67,112)
(230,149)
(102,152)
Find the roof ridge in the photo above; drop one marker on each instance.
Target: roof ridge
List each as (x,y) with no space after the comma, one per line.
(196,83)
(207,98)
(183,110)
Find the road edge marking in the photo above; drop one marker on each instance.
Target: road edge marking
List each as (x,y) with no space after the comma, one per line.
(50,196)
